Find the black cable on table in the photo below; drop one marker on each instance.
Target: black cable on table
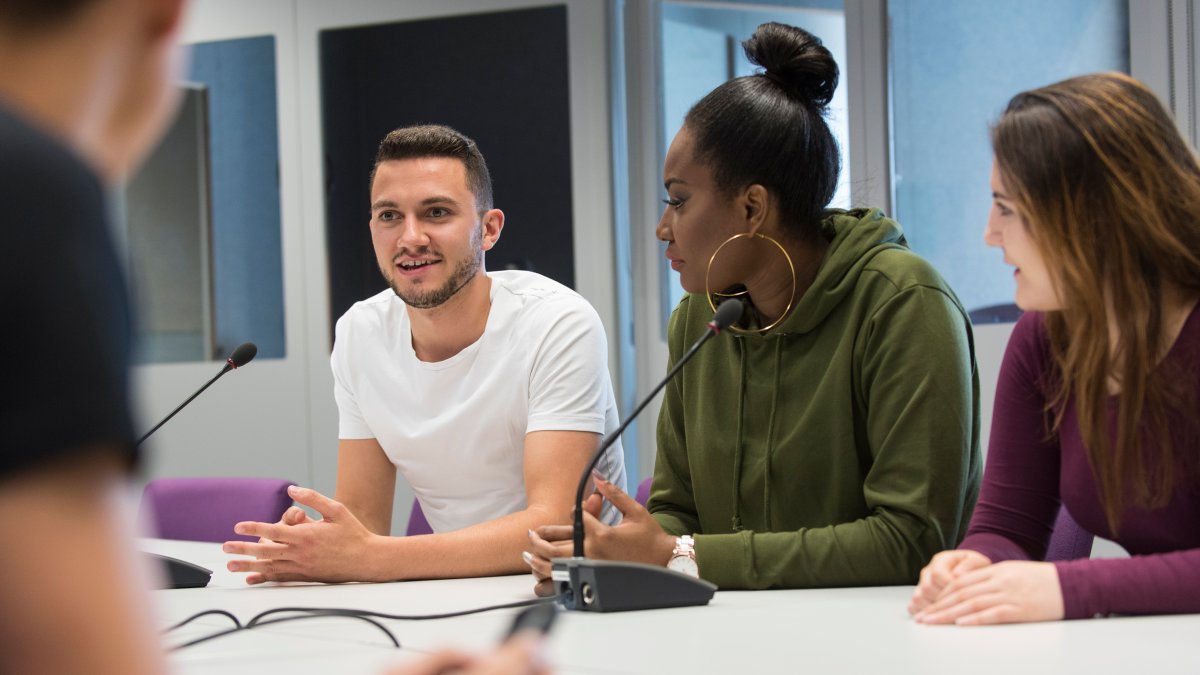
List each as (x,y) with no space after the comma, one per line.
(206,612)
(310,615)
(317,612)
(398,617)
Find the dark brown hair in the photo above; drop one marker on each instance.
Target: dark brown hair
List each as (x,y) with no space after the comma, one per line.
(435,140)
(1111,196)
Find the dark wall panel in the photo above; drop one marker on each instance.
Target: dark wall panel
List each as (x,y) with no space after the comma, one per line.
(500,78)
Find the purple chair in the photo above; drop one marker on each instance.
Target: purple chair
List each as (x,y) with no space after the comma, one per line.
(417,523)
(206,509)
(1069,541)
(643,491)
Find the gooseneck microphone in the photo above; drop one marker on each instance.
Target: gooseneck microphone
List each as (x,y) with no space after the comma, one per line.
(180,573)
(241,355)
(610,586)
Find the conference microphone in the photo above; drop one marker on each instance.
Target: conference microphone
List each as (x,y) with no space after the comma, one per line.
(611,586)
(180,573)
(243,354)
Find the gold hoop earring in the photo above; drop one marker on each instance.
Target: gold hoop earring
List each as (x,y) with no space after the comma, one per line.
(709,294)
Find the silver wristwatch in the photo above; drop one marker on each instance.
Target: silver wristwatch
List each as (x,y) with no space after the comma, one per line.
(683,557)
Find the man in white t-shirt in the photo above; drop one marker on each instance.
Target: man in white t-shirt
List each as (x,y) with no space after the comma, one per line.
(489,392)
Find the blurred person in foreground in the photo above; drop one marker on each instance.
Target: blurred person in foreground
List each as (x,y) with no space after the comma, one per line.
(85,91)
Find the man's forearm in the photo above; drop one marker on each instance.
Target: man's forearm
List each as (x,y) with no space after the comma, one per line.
(487,549)
(377,520)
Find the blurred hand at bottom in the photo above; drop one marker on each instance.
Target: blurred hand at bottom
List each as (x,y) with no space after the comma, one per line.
(519,655)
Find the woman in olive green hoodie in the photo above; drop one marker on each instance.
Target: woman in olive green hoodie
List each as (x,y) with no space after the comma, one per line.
(833,439)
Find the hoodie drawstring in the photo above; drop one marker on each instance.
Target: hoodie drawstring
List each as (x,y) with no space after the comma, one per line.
(771,432)
(736,522)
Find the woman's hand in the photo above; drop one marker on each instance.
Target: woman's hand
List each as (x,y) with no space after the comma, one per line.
(638,538)
(944,568)
(1007,592)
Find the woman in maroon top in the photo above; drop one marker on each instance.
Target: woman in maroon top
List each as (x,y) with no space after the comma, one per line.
(1097,205)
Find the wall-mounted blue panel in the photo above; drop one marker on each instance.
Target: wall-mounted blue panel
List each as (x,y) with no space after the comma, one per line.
(246,225)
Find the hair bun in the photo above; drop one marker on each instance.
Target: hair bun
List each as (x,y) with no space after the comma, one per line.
(795,59)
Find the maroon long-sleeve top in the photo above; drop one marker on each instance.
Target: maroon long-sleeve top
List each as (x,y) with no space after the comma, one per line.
(1029,473)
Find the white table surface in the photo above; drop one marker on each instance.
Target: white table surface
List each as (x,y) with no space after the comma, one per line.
(847,630)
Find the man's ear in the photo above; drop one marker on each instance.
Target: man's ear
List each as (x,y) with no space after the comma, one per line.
(755,204)
(492,223)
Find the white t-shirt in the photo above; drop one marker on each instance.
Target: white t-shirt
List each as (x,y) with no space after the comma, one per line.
(456,428)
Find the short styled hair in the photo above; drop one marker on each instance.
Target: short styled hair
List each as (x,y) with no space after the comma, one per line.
(435,140)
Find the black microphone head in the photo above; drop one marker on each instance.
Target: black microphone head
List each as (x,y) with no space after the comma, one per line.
(728,312)
(245,353)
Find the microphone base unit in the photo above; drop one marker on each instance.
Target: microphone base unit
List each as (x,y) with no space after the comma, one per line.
(180,573)
(609,586)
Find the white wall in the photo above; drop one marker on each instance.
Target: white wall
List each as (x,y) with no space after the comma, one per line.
(990,340)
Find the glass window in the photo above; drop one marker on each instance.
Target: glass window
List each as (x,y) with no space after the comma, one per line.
(954,66)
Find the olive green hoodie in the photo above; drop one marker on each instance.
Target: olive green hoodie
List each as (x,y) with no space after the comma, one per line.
(842,447)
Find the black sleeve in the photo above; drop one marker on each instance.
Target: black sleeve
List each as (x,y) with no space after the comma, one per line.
(65,339)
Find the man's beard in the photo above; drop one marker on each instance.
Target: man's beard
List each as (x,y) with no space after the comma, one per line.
(430,298)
